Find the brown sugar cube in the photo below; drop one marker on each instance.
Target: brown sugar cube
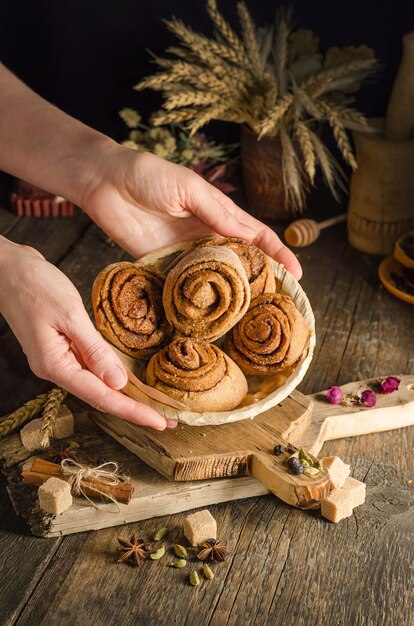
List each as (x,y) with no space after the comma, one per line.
(337,469)
(55,496)
(64,426)
(31,433)
(337,505)
(356,489)
(199,527)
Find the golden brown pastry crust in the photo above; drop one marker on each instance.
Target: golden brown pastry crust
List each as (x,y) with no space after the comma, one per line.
(257,265)
(127,303)
(206,293)
(271,336)
(200,375)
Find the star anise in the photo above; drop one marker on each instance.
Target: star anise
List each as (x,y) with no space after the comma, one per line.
(59,451)
(134,550)
(211,550)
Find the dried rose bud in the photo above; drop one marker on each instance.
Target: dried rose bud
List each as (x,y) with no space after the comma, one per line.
(368,398)
(390,384)
(334,395)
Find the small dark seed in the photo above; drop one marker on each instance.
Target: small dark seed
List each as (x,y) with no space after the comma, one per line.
(295,466)
(278,450)
(101,460)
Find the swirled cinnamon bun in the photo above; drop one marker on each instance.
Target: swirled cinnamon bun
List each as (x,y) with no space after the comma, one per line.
(206,293)
(127,303)
(200,375)
(271,336)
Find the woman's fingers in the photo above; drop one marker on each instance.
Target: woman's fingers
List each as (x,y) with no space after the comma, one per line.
(92,390)
(264,237)
(212,212)
(95,353)
(221,214)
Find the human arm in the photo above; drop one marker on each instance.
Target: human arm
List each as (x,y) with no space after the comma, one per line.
(141,201)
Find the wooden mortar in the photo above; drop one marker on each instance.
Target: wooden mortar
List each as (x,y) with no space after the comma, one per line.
(381,204)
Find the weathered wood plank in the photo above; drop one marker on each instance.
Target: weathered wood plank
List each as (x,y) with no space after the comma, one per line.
(288,566)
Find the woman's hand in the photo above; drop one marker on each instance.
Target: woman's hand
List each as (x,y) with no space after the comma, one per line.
(144,202)
(46,313)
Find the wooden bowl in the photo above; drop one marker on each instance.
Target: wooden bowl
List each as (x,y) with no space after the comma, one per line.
(400,254)
(262,392)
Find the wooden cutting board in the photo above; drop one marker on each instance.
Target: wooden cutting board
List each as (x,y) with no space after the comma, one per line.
(246,447)
(191,455)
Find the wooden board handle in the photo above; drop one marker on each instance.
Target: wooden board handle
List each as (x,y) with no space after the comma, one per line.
(303,492)
(330,421)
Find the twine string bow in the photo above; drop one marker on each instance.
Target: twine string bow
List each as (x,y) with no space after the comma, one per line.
(107,473)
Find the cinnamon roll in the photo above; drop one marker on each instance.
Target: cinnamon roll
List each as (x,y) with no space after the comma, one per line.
(127,303)
(256,263)
(200,375)
(206,293)
(271,336)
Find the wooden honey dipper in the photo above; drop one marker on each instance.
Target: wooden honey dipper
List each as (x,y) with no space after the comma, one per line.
(302,233)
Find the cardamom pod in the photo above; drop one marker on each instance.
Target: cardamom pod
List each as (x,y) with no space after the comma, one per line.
(180,563)
(295,455)
(180,551)
(208,572)
(305,463)
(158,553)
(304,456)
(311,471)
(194,578)
(160,534)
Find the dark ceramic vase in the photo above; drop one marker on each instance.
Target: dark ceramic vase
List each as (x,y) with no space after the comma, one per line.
(263,177)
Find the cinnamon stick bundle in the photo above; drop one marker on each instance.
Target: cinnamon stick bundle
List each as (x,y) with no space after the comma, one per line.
(41,470)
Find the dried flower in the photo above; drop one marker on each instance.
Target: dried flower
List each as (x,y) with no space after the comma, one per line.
(131,118)
(388,385)
(368,398)
(277,82)
(334,395)
(212,549)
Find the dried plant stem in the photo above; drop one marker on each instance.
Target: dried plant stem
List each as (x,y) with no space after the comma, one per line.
(340,135)
(190,98)
(208,50)
(50,411)
(213,113)
(268,126)
(224,28)
(13,421)
(249,37)
(332,174)
(303,135)
(325,80)
(293,184)
(281,47)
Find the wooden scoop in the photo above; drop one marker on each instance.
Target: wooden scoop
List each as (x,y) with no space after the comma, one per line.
(302,233)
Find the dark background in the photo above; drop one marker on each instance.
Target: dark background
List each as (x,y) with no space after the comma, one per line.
(85,55)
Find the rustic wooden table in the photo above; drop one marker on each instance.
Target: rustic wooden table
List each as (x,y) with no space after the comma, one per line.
(288,566)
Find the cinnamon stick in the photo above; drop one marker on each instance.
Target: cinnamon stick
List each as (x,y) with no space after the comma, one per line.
(41,470)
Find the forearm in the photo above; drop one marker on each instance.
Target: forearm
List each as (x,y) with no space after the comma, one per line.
(44,146)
